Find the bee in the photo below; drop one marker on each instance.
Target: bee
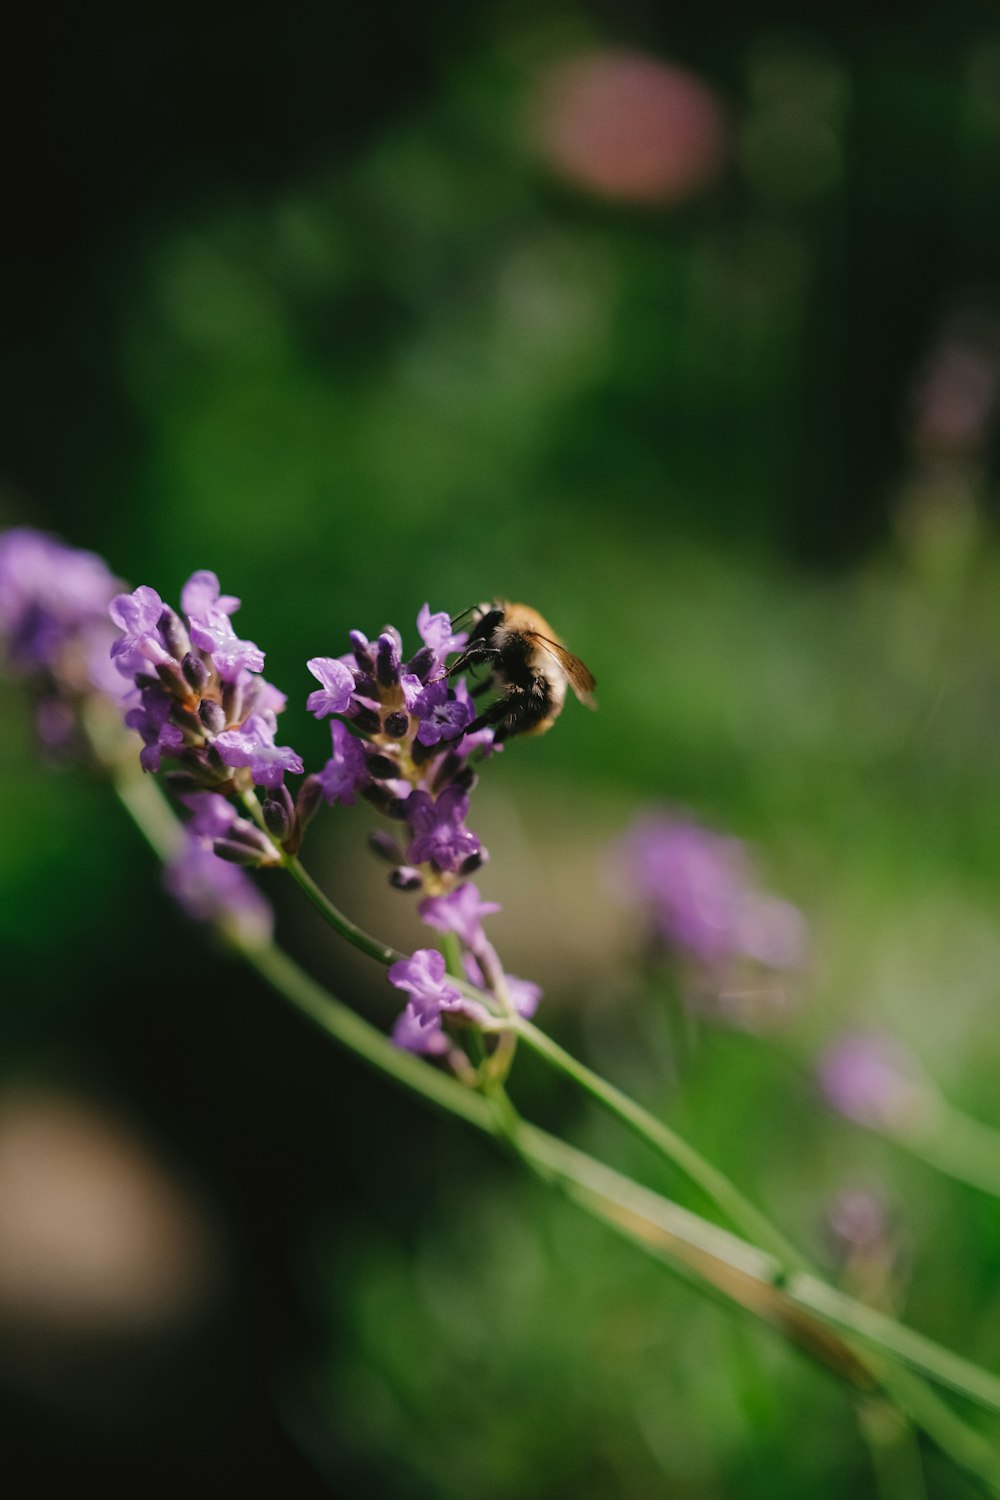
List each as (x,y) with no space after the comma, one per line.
(529,663)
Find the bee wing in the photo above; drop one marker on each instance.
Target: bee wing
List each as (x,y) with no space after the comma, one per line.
(581,678)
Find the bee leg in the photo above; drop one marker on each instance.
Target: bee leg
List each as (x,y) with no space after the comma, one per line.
(498,714)
(474,656)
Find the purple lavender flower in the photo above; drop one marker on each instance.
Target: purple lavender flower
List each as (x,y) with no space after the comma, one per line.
(407,751)
(441,714)
(231,656)
(437,636)
(868,1077)
(199,698)
(201,599)
(140,647)
(346,770)
(413,1035)
(438,828)
(337,686)
(522,994)
(252,745)
(460,911)
(423,978)
(151,720)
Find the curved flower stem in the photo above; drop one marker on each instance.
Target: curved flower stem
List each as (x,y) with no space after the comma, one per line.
(806,1310)
(715,1184)
(362,940)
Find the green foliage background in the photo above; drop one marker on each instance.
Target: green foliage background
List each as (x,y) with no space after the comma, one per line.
(408,363)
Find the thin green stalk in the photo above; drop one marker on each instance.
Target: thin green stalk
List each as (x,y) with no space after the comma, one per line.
(362,940)
(727,1197)
(711,1258)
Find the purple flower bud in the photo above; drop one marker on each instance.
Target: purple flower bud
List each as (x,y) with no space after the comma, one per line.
(396,724)
(277,817)
(212,716)
(388,659)
(382,767)
(405,878)
(237,853)
(363,654)
(195,672)
(385,847)
(307,803)
(173,634)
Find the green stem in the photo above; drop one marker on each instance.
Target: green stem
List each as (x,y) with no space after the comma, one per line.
(800,1305)
(362,940)
(727,1197)
(962,1148)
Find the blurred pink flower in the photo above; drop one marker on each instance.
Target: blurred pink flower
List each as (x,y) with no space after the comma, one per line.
(625,125)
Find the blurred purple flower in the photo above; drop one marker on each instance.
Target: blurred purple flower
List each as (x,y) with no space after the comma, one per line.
(868,1077)
(699,889)
(460,911)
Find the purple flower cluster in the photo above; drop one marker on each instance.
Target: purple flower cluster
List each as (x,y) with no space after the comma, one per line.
(699,891)
(433,997)
(399,740)
(54,626)
(198,698)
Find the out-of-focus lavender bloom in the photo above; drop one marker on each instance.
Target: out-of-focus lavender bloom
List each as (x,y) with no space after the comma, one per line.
(423,978)
(698,887)
(460,911)
(49,595)
(252,745)
(522,995)
(413,1035)
(858,1221)
(54,629)
(440,837)
(867,1076)
(215,890)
